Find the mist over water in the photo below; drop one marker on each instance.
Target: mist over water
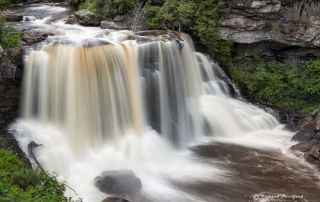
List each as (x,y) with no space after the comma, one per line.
(106,100)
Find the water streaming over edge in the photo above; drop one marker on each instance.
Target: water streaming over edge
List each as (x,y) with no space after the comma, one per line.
(102,100)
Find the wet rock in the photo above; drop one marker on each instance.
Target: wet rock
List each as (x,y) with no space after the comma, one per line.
(72,20)
(114,199)
(112,25)
(309,158)
(87,18)
(2,52)
(304,146)
(317,126)
(315,112)
(314,153)
(7,70)
(317,136)
(13,18)
(118,182)
(304,135)
(31,37)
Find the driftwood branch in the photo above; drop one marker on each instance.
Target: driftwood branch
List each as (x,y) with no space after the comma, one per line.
(164,26)
(32,145)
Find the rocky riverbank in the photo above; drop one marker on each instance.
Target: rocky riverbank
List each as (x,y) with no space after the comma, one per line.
(308,137)
(281,30)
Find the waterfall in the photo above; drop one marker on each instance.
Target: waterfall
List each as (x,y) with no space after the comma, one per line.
(123,100)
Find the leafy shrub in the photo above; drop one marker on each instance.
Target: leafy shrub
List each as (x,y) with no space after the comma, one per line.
(106,8)
(9,36)
(283,85)
(20,184)
(4,4)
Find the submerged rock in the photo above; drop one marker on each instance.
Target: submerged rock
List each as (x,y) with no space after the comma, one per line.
(114,199)
(118,182)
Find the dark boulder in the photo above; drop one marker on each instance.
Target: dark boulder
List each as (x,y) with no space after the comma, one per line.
(303,135)
(317,136)
(118,182)
(13,18)
(114,199)
(304,146)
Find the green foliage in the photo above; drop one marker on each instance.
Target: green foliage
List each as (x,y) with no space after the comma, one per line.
(9,162)
(198,18)
(9,37)
(283,85)
(276,27)
(4,4)
(20,184)
(153,17)
(107,8)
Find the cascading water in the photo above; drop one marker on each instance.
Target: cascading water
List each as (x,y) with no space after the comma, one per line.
(108,101)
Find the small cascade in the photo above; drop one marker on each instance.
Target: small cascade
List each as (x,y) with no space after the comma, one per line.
(28,18)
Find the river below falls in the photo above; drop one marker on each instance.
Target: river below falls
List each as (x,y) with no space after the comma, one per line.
(256,166)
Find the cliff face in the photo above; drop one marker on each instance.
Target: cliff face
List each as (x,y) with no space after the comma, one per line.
(286,30)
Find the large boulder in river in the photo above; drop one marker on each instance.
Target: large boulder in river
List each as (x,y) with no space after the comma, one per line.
(87,18)
(31,37)
(118,182)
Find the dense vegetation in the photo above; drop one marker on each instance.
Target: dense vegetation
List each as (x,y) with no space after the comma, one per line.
(20,184)
(9,36)
(106,8)
(201,19)
(294,87)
